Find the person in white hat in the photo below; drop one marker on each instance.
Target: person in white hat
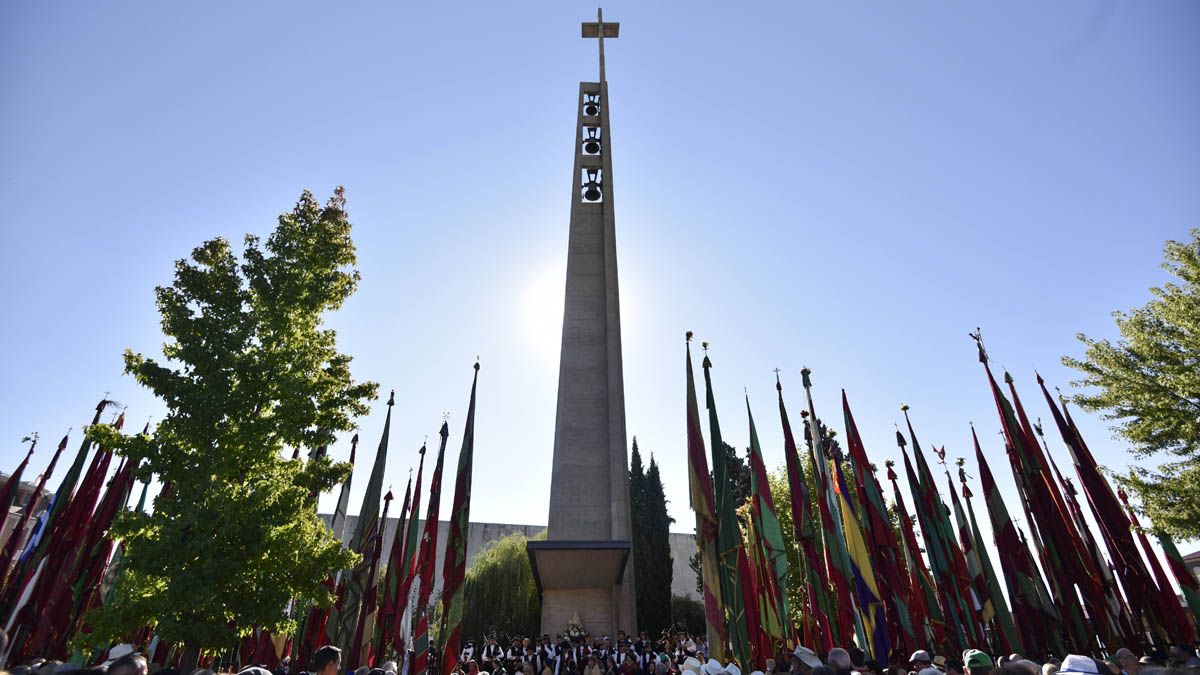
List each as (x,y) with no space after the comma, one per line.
(131,663)
(117,652)
(713,667)
(1077,663)
(804,660)
(691,664)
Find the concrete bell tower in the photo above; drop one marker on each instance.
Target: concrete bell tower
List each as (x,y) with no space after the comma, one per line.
(584,569)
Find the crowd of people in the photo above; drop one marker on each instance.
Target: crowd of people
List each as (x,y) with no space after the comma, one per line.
(681,654)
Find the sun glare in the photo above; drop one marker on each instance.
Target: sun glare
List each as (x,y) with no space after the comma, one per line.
(542,312)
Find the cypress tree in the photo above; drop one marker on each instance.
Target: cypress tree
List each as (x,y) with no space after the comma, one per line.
(643,556)
(658,596)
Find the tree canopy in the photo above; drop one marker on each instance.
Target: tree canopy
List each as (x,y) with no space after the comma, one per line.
(249,372)
(501,598)
(1148,382)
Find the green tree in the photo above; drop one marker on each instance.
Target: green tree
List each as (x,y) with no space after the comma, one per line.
(833,448)
(658,524)
(1149,383)
(501,597)
(687,614)
(643,560)
(249,372)
(738,473)
(781,493)
(651,545)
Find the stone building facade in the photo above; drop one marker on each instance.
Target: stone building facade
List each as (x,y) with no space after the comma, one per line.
(20,501)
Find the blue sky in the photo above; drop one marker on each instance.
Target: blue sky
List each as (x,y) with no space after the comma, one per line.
(850,187)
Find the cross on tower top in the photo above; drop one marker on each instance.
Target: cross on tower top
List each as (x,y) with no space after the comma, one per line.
(600,30)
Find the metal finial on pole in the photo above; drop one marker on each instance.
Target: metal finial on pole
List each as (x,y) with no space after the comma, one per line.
(977,336)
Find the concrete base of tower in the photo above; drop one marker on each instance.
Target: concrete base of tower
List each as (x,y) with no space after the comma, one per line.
(582,581)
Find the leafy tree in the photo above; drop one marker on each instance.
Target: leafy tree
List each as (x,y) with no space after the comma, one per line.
(738,472)
(832,447)
(249,372)
(501,597)
(687,614)
(781,493)
(695,567)
(1149,383)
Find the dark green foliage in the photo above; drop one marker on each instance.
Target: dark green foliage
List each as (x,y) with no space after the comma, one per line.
(686,614)
(694,566)
(738,472)
(642,557)
(249,372)
(651,545)
(832,447)
(781,493)
(501,597)
(663,566)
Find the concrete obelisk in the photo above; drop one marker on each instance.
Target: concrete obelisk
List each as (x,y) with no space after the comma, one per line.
(584,568)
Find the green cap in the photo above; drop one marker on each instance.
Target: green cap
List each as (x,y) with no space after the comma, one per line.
(973,658)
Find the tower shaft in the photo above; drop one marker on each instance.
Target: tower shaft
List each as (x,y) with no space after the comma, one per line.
(584,565)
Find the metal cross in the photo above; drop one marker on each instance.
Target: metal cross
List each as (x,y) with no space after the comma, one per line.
(600,30)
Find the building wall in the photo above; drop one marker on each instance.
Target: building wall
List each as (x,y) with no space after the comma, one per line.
(481,534)
(1192,562)
(20,501)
